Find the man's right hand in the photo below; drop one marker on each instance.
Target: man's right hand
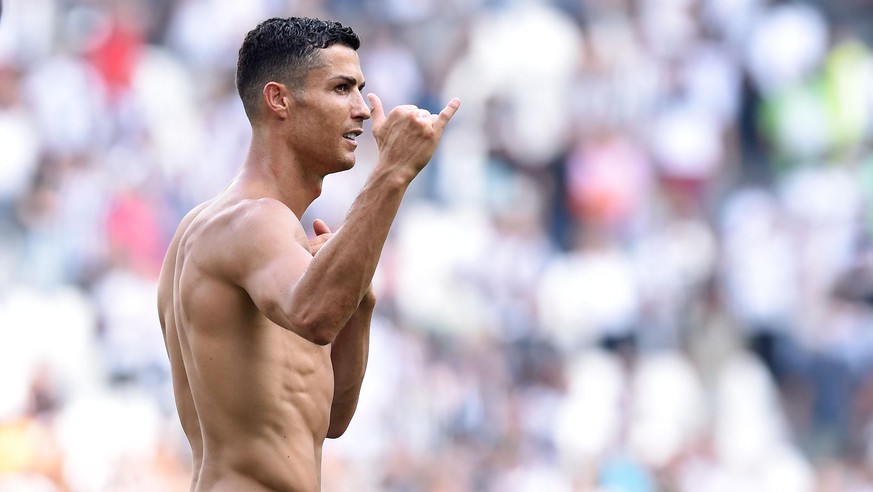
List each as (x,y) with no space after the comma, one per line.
(408,136)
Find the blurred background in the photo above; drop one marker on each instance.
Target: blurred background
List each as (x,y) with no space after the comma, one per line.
(641,260)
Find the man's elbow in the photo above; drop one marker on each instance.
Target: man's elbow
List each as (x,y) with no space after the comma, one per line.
(321,337)
(316,329)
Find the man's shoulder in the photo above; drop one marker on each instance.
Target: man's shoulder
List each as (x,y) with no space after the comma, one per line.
(232,230)
(239,238)
(237,218)
(249,218)
(260,208)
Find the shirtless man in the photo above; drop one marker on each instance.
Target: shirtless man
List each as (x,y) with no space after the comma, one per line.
(267,331)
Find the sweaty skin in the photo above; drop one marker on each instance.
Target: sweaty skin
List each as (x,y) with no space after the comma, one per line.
(266,330)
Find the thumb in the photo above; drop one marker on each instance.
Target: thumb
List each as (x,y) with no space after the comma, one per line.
(376,110)
(319,227)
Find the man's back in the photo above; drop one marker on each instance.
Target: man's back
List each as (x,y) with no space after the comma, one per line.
(253,397)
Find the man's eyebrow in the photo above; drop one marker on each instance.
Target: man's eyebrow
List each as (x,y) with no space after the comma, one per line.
(349,80)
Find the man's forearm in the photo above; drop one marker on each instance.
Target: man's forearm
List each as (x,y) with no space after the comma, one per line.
(330,289)
(340,273)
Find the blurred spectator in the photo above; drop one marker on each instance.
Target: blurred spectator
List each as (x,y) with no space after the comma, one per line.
(640,261)
(20,143)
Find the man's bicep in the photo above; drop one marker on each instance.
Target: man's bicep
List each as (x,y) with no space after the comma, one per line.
(271,277)
(267,261)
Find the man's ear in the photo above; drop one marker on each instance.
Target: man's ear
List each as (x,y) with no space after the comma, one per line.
(276,99)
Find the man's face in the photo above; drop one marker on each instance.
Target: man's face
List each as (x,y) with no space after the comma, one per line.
(329,114)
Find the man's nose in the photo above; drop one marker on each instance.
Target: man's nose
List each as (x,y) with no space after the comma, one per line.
(362,109)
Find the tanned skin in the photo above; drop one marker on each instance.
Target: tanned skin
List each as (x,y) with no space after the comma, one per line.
(267,331)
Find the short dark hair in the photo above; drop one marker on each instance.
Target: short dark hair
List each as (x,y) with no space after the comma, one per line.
(284,50)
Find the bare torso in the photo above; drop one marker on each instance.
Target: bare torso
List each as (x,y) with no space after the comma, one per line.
(254,399)
(267,332)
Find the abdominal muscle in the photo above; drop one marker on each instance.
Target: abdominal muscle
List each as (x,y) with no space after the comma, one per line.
(262,393)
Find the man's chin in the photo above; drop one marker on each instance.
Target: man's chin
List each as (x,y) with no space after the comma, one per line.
(349,163)
(342,166)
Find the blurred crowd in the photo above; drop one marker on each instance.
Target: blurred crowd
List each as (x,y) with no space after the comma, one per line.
(641,260)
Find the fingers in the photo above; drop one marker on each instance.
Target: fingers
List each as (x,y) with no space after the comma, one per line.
(440,120)
(446,114)
(376,109)
(319,227)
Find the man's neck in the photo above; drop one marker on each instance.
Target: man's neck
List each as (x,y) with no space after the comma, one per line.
(277,173)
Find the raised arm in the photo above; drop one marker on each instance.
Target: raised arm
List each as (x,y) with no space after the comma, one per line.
(343,269)
(316,296)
